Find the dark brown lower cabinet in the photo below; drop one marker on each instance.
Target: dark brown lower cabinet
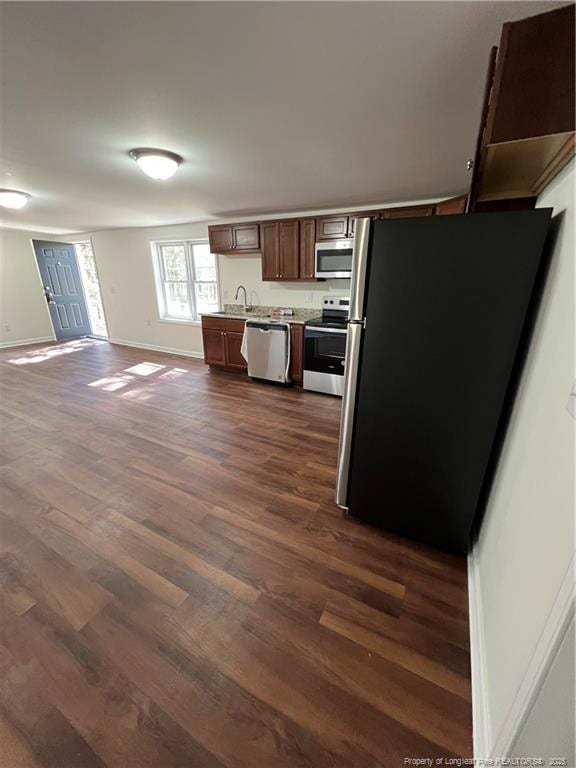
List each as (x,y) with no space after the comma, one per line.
(233,344)
(222,337)
(214,349)
(297,353)
(222,340)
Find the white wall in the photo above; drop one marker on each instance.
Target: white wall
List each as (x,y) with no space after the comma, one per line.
(522,567)
(549,729)
(24,316)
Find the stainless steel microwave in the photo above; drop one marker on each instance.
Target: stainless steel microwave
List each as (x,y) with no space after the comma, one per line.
(334,258)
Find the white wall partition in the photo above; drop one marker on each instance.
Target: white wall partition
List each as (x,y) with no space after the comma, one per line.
(522,569)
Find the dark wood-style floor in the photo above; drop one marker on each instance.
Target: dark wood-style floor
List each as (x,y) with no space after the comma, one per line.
(179,590)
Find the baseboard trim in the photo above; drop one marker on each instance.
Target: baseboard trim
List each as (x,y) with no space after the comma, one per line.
(155,348)
(486,746)
(481,722)
(546,649)
(25,342)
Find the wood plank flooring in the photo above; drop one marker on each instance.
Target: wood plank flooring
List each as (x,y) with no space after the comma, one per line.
(179,590)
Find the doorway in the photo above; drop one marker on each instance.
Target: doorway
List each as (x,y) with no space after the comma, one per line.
(71,288)
(89,273)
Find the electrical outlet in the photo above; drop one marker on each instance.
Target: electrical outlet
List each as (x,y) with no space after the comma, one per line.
(148,321)
(7,327)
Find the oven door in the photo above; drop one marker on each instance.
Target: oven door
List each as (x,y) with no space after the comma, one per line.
(334,259)
(324,355)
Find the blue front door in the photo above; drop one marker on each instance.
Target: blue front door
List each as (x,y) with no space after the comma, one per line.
(63,289)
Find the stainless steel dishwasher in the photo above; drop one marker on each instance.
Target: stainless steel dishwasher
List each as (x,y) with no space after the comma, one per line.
(268,350)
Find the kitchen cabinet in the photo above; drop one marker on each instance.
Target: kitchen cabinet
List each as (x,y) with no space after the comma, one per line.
(307,249)
(233,344)
(270,249)
(280,249)
(234,238)
(297,353)
(214,349)
(222,338)
(289,238)
(451,206)
(407,211)
(527,126)
(332,227)
(374,215)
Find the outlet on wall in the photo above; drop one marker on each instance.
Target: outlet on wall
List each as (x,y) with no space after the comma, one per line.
(148,321)
(7,327)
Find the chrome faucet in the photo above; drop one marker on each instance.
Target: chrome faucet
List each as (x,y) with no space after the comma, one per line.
(241,287)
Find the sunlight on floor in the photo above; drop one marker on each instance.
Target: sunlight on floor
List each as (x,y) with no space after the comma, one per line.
(128,376)
(112,383)
(145,369)
(47,353)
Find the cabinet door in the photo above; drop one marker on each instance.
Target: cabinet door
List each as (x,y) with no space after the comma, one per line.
(408,212)
(534,78)
(221,239)
(307,249)
(481,138)
(289,249)
(332,227)
(246,237)
(269,242)
(214,347)
(374,215)
(296,352)
(234,359)
(453,205)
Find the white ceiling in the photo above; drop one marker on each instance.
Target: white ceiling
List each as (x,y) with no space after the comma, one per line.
(274,106)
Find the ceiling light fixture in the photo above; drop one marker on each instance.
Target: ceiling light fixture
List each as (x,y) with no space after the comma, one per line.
(11,198)
(156,163)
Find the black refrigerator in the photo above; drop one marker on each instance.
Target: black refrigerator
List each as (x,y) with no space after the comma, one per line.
(439,311)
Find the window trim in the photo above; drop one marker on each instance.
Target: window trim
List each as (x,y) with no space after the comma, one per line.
(161,281)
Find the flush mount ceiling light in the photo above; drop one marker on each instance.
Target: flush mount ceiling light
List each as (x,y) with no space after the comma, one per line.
(11,198)
(156,163)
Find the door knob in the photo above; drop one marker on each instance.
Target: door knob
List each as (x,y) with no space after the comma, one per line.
(470,164)
(48,295)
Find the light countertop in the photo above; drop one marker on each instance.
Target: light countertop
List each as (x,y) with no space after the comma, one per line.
(254,316)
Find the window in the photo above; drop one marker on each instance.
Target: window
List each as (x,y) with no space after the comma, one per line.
(186,280)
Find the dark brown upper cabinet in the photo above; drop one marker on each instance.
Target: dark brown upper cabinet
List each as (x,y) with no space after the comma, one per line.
(289,232)
(280,242)
(307,249)
(332,227)
(452,205)
(407,212)
(270,249)
(527,126)
(374,215)
(234,238)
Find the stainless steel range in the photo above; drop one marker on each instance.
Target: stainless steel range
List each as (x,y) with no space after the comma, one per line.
(325,347)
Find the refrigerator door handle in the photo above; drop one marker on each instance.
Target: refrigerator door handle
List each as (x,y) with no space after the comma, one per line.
(359,267)
(348,406)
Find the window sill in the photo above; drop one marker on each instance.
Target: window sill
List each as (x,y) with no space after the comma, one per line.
(179,322)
